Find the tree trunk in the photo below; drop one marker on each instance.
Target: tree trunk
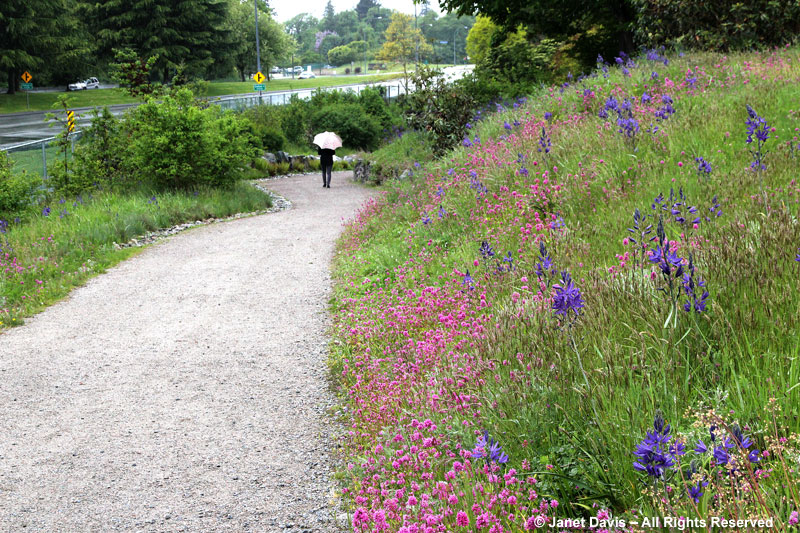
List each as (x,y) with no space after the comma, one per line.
(12,87)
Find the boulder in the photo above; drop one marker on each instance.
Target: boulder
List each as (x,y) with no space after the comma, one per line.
(270,157)
(361,171)
(282,157)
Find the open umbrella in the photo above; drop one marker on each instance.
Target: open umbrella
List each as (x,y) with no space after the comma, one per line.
(328,139)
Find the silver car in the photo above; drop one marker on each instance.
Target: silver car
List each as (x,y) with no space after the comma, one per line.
(89,83)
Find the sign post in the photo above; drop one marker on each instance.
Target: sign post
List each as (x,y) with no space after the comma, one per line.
(259,86)
(27,86)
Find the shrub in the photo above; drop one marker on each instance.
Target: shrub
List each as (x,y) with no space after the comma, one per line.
(717,25)
(17,189)
(314,165)
(281,169)
(438,108)
(356,128)
(175,144)
(347,70)
(98,158)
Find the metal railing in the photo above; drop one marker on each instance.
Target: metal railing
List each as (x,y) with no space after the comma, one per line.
(33,156)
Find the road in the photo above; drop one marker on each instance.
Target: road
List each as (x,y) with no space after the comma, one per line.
(17,128)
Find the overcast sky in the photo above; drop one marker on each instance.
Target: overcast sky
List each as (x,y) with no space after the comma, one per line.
(286,9)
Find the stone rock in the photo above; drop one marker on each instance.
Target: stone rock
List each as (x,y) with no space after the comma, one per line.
(361,171)
(336,158)
(282,157)
(270,157)
(351,159)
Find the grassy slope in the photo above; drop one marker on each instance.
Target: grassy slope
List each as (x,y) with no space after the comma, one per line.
(495,358)
(44,101)
(45,257)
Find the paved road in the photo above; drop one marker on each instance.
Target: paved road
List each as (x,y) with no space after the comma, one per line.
(184,390)
(18,128)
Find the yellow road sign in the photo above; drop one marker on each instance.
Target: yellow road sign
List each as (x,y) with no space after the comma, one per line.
(26,77)
(70,115)
(259,77)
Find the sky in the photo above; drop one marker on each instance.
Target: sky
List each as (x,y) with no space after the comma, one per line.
(286,9)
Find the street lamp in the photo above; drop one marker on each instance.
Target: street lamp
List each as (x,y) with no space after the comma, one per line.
(454,44)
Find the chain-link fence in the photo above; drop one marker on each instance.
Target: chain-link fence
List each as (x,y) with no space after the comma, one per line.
(35,156)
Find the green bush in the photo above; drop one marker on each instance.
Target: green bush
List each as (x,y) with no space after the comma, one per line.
(438,108)
(717,25)
(281,169)
(98,158)
(176,144)
(356,128)
(17,189)
(314,165)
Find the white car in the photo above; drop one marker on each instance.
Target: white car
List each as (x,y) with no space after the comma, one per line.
(306,75)
(90,83)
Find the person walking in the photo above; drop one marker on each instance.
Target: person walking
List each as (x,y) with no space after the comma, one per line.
(327,142)
(326,163)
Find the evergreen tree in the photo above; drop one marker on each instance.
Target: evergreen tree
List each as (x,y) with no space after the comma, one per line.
(364,6)
(38,35)
(190,32)
(328,16)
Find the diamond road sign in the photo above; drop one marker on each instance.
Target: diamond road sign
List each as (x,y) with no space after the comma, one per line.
(26,86)
(259,77)
(26,76)
(259,87)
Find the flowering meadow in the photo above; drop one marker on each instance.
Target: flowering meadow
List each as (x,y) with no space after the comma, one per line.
(588,313)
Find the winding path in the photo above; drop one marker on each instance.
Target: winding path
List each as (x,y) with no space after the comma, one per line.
(183,390)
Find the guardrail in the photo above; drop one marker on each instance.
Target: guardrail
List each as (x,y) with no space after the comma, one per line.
(33,155)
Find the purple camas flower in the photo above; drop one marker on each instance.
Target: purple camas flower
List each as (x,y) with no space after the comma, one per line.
(46,211)
(567,297)
(486,250)
(466,142)
(544,142)
(468,281)
(487,448)
(645,98)
(654,75)
(442,212)
(653,454)
(757,127)
(548,116)
(798,256)
(703,166)
(507,126)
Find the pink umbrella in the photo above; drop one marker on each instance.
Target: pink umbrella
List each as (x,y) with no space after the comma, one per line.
(328,139)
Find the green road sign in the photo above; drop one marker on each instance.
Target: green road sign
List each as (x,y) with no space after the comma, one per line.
(26,86)
(259,87)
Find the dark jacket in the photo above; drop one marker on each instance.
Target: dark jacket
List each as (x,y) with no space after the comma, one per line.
(325,156)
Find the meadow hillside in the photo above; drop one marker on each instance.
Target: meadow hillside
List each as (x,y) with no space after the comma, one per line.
(591,308)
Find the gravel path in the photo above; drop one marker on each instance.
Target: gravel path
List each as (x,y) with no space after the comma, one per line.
(184,390)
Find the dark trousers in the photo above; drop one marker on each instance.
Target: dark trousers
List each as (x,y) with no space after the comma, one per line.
(326,174)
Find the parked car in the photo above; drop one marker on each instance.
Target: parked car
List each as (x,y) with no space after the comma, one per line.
(89,83)
(298,69)
(275,70)
(306,75)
